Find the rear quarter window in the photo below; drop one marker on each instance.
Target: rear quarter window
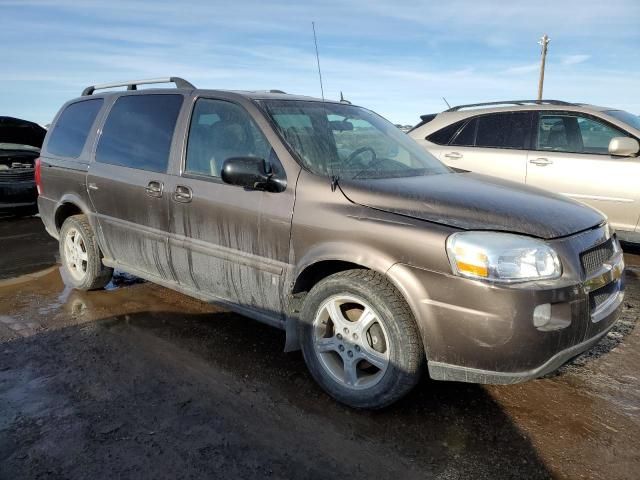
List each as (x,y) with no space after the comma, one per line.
(444,135)
(138,132)
(467,136)
(70,132)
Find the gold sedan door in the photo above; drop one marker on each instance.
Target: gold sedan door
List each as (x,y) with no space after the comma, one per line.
(571,157)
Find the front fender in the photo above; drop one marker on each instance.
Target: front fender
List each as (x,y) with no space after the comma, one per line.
(351,252)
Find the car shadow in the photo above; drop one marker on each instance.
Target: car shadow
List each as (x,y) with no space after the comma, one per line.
(194,379)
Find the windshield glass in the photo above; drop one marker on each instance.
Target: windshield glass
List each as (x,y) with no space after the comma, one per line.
(348,141)
(626,117)
(17,146)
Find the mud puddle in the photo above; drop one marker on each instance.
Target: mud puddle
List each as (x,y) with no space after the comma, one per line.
(141,381)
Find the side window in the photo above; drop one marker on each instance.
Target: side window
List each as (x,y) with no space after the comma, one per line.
(72,128)
(138,132)
(467,136)
(443,136)
(596,136)
(575,134)
(503,130)
(557,133)
(220,130)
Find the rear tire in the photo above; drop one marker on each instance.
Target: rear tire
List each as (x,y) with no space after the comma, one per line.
(80,255)
(360,340)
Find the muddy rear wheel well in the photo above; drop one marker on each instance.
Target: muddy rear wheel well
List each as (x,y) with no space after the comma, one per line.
(65,211)
(315,272)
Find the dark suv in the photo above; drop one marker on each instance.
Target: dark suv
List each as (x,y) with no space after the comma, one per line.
(325,220)
(20,142)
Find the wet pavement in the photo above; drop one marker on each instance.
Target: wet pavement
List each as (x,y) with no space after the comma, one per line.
(25,246)
(138,380)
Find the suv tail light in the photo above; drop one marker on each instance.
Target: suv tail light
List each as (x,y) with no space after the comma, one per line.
(38,176)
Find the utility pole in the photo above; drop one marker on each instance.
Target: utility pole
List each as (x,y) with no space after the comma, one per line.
(544,42)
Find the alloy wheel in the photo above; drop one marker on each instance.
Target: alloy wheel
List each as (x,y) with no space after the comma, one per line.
(75,254)
(351,342)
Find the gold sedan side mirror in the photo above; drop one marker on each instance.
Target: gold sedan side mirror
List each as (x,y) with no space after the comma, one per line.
(624,147)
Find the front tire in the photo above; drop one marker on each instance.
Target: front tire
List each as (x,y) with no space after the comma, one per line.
(360,340)
(80,255)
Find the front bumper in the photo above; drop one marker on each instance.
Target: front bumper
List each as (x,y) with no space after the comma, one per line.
(484,333)
(17,195)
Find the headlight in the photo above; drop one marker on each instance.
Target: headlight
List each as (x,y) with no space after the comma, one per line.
(501,257)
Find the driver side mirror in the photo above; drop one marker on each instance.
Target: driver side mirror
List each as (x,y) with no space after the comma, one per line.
(624,147)
(250,172)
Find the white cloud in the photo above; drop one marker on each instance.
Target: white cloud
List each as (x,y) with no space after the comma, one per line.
(398,58)
(574,59)
(531,67)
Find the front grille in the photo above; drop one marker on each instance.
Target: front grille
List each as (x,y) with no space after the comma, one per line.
(599,296)
(592,260)
(16,175)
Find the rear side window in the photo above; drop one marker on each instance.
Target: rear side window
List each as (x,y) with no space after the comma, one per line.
(444,135)
(138,132)
(503,130)
(500,130)
(72,128)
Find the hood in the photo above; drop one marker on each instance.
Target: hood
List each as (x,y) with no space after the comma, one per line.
(470,201)
(22,132)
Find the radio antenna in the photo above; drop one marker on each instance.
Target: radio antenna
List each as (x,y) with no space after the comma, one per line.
(315,40)
(445,101)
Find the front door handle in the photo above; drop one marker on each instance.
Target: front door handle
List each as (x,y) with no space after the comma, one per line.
(154,189)
(453,155)
(541,162)
(182,194)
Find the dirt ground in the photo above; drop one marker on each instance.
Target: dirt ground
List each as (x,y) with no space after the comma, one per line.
(140,382)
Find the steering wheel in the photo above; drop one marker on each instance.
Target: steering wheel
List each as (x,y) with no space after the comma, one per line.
(360,151)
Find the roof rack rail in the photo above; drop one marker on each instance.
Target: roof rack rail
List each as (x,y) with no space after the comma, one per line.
(272,90)
(133,84)
(511,102)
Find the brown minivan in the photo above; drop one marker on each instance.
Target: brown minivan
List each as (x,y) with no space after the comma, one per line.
(324,219)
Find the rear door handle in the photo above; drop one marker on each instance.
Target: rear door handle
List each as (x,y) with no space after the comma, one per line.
(453,155)
(182,194)
(154,189)
(541,162)
(92,186)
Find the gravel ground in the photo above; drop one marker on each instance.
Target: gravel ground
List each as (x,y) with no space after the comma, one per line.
(138,381)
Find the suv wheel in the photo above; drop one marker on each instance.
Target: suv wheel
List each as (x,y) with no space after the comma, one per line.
(359,339)
(80,255)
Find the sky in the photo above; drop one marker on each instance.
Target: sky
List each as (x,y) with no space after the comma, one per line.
(395,57)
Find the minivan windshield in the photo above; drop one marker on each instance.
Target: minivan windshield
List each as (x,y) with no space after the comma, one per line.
(626,117)
(346,141)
